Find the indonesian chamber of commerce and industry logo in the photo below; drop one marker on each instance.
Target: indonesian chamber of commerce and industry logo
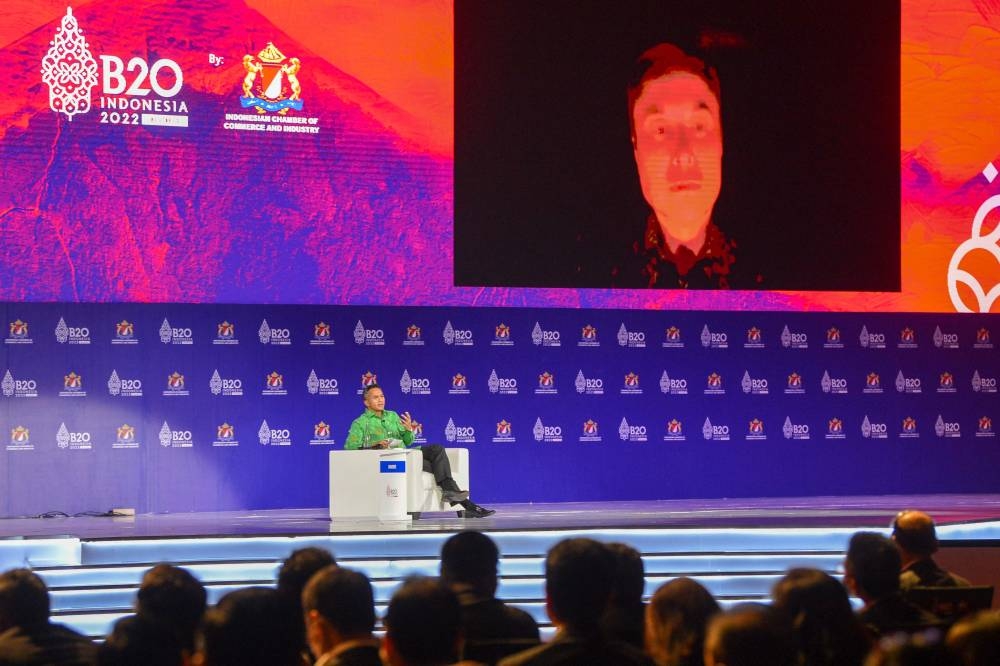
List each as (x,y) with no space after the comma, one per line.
(413,336)
(124,333)
(18,334)
(369,378)
(225,436)
(321,435)
(225,333)
(322,334)
(588,337)
(672,338)
(271,83)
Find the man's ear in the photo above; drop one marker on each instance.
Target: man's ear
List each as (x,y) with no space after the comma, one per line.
(550,612)
(387,651)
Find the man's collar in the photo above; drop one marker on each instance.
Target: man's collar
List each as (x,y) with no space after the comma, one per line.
(328,657)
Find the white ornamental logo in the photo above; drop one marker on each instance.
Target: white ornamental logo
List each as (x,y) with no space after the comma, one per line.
(939,426)
(864,338)
(866,428)
(215,383)
(449,333)
(900,382)
(786,337)
(264,332)
(825,383)
(665,382)
(405,383)
(977,382)
(706,429)
(62,437)
(581,382)
(539,430)
(264,433)
(450,430)
(622,336)
(938,337)
(359,333)
(8,384)
(166,333)
(747,383)
(114,383)
(62,331)
(312,384)
(494,382)
(623,430)
(706,336)
(165,435)
(977,241)
(787,428)
(536,334)
(69,70)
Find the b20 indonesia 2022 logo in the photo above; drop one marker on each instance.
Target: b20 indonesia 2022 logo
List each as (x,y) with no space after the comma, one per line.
(137,92)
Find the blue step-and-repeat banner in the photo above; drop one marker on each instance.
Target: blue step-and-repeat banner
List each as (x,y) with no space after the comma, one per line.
(199,408)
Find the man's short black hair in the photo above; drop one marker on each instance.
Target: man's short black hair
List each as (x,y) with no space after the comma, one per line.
(750,635)
(24,599)
(630,575)
(367,389)
(579,574)
(251,626)
(171,595)
(139,640)
(874,562)
(293,576)
(424,621)
(344,598)
(470,557)
(300,566)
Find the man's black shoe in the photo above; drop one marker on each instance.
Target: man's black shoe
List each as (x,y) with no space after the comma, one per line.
(454,496)
(476,511)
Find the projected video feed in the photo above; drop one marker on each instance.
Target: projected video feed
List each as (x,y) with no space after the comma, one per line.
(697,145)
(265,151)
(258,151)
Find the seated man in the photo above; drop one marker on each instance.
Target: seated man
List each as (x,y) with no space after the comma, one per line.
(469,562)
(381,428)
(27,636)
(423,625)
(340,617)
(871,572)
(579,578)
(916,539)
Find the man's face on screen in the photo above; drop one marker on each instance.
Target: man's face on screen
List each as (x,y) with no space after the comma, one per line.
(678,151)
(375,400)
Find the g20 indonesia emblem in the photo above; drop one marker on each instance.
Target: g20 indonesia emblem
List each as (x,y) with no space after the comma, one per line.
(271,83)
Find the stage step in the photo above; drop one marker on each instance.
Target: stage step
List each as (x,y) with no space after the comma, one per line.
(93,583)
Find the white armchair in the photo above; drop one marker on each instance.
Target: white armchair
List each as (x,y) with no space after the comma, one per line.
(355,487)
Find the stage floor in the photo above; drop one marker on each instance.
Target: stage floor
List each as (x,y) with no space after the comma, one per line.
(875,512)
